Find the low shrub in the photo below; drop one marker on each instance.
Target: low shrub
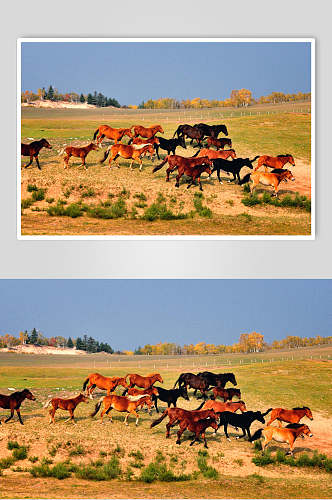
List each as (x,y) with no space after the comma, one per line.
(31,188)
(89,193)
(38,195)
(113,211)
(160,211)
(318,460)
(33,460)
(26,203)
(12,445)
(136,454)
(297,201)
(20,453)
(160,472)
(140,196)
(207,470)
(78,450)
(6,462)
(61,470)
(202,210)
(105,472)
(73,210)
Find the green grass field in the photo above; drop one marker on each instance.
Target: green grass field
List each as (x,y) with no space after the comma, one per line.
(271,130)
(281,382)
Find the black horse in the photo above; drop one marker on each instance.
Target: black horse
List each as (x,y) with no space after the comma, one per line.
(218,379)
(242,420)
(33,149)
(190,132)
(170,396)
(193,381)
(233,167)
(169,145)
(211,130)
(13,402)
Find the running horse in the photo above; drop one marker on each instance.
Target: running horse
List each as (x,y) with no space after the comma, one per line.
(275,161)
(192,167)
(291,416)
(219,406)
(211,130)
(116,134)
(282,435)
(143,382)
(212,154)
(147,132)
(122,404)
(13,402)
(128,152)
(107,383)
(33,149)
(193,381)
(176,415)
(190,132)
(65,404)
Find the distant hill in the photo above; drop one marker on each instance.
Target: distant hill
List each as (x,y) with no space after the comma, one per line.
(59,104)
(43,349)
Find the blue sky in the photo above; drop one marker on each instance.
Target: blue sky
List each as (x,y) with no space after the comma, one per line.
(132,72)
(128,313)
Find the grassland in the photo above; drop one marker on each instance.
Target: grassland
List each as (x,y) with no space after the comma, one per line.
(280,382)
(271,130)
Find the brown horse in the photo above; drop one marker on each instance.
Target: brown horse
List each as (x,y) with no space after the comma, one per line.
(197,427)
(268,179)
(107,383)
(275,161)
(219,406)
(152,140)
(219,143)
(120,403)
(291,416)
(212,154)
(78,152)
(65,404)
(127,152)
(116,134)
(226,394)
(282,435)
(178,414)
(144,382)
(142,392)
(13,402)
(33,149)
(193,167)
(147,132)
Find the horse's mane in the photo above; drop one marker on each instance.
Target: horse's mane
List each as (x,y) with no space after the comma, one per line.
(283,156)
(301,408)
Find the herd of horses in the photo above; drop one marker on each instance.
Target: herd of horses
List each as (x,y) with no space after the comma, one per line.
(144,142)
(141,391)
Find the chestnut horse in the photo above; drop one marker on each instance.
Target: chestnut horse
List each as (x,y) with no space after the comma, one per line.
(65,404)
(212,154)
(152,140)
(144,382)
(282,435)
(78,152)
(275,161)
(107,383)
(147,132)
(292,416)
(219,143)
(120,403)
(33,149)
(178,414)
(193,167)
(226,394)
(267,179)
(111,133)
(13,402)
(197,427)
(219,406)
(127,152)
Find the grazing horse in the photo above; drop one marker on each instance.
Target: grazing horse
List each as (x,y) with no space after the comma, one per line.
(292,416)
(219,143)
(234,167)
(211,130)
(193,381)
(282,435)
(219,406)
(122,404)
(78,152)
(178,414)
(275,161)
(213,154)
(193,167)
(107,383)
(267,179)
(242,420)
(65,404)
(197,427)
(169,396)
(116,134)
(33,149)
(144,382)
(147,132)
(13,402)
(218,379)
(226,394)
(170,145)
(127,152)
(190,132)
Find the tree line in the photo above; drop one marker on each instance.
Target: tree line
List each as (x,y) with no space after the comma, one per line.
(52,94)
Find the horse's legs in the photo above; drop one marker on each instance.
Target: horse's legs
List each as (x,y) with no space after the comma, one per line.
(141,163)
(218,174)
(168,171)
(178,177)
(83,163)
(180,432)
(52,413)
(225,431)
(200,184)
(28,164)
(10,417)
(66,160)
(190,183)
(19,416)
(204,437)
(37,161)
(136,415)
(279,423)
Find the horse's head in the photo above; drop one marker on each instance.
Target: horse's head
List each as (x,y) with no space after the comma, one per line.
(242,406)
(288,175)
(160,129)
(258,416)
(224,129)
(291,160)
(83,398)
(151,149)
(29,395)
(46,144)
(232,153)
(93,146)
(182,142)
(213,423)
(237,392)
(184,393)
(128,132)
(231,378)
(159,378)
(207,168)
(308,413)
(305,430)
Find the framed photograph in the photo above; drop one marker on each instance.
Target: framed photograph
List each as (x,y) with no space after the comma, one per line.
(205,138)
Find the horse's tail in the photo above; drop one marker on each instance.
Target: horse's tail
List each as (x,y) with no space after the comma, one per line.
(176,132)
(107,152)
(158,420)
(158,167)
(196,153)
(97,407)
(47,403)
(245,179)
(95,134)
(254,159)
(85,384)
(267,411)
(257,435)
(200,406)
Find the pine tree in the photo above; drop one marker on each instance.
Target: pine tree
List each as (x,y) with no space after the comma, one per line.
(33,337)
(79,344)
(90,99)
(50,94)
(94,98)
(82,98)
(70,343)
